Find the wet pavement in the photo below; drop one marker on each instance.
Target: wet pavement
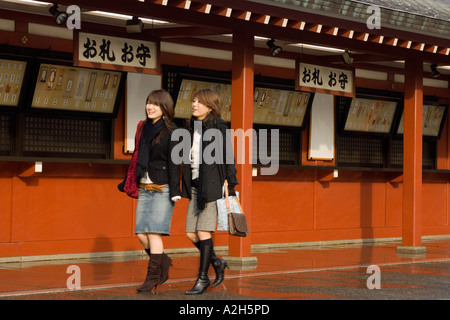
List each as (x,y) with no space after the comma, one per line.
(350,272)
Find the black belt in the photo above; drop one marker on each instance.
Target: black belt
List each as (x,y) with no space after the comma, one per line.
(194,183)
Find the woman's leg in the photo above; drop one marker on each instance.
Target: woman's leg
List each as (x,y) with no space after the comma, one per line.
(199,226)
(192,236)
(203,235)
(154,212)
(155,243)
(144,240)
(151,242)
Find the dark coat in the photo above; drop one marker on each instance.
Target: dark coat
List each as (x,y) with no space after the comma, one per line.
(211,176)
(161,168)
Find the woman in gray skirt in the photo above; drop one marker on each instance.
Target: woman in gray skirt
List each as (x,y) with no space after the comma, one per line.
(159,185)
(203,180)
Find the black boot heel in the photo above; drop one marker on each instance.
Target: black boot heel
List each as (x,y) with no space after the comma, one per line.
(200,286)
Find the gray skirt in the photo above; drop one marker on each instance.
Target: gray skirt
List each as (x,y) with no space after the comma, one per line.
(154,212)
(201,220)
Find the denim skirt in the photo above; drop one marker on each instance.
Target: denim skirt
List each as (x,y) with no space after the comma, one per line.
(154,212)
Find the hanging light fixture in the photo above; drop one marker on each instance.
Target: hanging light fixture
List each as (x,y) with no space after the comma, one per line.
(434,72)
(274,49)
(347,57)
(60,16)
(134,25)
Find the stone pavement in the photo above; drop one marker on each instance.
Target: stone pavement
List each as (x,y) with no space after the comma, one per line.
(338,273)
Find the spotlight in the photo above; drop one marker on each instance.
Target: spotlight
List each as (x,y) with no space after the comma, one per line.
(275,50)
(60,16)
(347,57)
(434,73)
(134,25)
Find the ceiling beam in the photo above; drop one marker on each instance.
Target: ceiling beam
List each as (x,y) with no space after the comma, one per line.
(187,31)
(357,58)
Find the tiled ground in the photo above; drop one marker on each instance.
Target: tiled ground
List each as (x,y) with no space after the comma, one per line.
(315,273)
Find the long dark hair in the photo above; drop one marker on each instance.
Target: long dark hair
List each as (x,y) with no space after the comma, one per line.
(164,100)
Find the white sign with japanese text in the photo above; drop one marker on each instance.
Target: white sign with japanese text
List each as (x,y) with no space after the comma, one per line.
(125,52)
(325,78)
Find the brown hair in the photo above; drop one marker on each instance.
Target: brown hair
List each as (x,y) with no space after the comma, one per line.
(164,100)
(211,99)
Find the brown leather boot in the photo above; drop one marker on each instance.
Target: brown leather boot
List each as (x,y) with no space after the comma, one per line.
(166,263)
(153,273)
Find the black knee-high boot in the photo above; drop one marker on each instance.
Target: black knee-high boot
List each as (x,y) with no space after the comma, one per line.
(206,248)
(218,264)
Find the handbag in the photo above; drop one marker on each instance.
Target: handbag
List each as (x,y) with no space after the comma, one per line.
(222,210)
(131,187)
(236,220)
(130,184)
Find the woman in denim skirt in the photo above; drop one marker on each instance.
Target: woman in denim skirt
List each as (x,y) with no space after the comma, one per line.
(159,185)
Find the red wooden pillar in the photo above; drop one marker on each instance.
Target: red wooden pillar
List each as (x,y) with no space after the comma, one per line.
(412,159)
(242,118)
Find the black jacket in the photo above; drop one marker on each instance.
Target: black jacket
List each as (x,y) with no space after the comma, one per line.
(161,168)
(211,176)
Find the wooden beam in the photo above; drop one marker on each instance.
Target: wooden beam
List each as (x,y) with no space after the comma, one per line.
(220,11)
(345,33)
(375,38)
(361,36)
(277,21)
(294,24)
(185,31)
(177,3)
(239,14)
(312,27)
(328,30)
(404,43)
(36,42)
(198,7)
(390,41)
(443,50)
(242,118)
(430,48)
(412,154)
(258,18)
